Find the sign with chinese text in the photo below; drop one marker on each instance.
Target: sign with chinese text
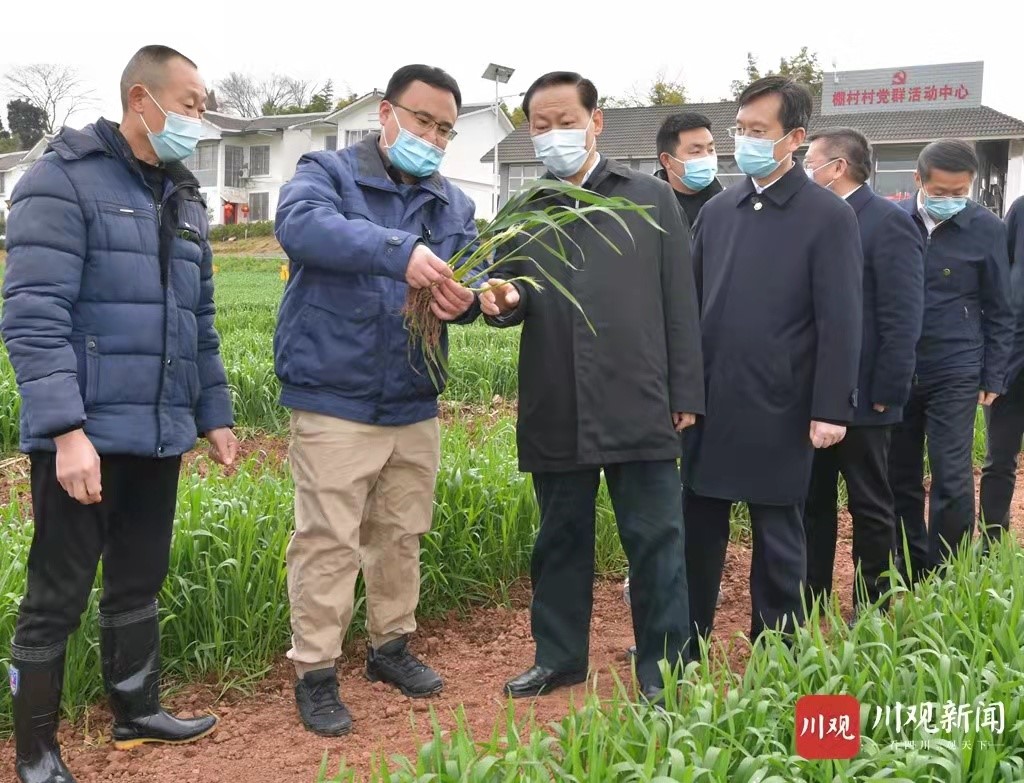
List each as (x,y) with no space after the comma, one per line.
(827,727)
(949,86)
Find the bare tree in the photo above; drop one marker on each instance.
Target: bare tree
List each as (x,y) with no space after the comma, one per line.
(247,96)
(56,89)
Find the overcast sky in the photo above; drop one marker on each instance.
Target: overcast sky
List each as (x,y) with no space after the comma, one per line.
(358,44)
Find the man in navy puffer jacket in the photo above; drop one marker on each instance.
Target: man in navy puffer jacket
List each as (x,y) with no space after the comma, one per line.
(108,321)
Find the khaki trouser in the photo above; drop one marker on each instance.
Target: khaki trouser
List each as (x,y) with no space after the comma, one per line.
(364,497)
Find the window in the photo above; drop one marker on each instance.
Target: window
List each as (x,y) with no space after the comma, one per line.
(894,172)
(234,159)
(355,136)
(259,161)
(3,182)
(331,142)
(259,207)
(728,172)
(519,175)
(203,163)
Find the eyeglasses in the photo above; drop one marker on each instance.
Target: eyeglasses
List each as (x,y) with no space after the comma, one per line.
(427,123)
(735,131)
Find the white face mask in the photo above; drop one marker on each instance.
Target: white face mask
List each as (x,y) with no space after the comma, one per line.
(563,151)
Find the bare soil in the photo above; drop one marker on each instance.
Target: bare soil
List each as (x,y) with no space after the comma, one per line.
(259,737)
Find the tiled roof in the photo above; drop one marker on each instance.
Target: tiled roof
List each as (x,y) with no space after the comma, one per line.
(631,132)
(469,108)
(273,122)
(11,159)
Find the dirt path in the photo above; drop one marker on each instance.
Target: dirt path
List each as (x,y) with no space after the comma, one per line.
(260,738)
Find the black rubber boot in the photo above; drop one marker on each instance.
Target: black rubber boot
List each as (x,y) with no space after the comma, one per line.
(130,647)
(37,681)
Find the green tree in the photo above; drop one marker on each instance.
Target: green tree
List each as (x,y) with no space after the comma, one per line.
(803,66)
(27,122)
(660,92)
(343,102)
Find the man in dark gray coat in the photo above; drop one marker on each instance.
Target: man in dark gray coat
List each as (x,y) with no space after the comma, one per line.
(839,159)
(615,400)
(779,270)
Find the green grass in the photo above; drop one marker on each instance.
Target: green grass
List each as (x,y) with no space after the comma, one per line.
(248,292)
(224,607)
(957,641)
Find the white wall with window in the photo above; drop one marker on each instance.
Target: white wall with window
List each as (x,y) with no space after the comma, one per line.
(203,163)
(356,136)
(523,174)
(259,160)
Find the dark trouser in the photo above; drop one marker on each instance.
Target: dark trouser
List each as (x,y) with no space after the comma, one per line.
(942,412)
(1004,423)
(863,459)
(130,529)
(645,497)
(776,571)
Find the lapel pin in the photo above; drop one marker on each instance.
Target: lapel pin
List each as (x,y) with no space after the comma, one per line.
(757,206)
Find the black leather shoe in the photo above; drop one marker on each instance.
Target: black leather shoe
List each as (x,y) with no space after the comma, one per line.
(130,654)
(539,679)
(37,681)
(394,664)
(320,707)
(653,695)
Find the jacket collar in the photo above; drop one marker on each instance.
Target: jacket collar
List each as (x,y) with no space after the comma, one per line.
(372,172)
(781,191)
(861,197)
(103,137)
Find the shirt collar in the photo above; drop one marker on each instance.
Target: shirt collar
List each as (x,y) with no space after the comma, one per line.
(929,222)
(590,171)
(847,196)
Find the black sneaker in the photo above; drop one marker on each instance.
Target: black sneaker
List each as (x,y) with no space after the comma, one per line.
(394,664)
(320,708)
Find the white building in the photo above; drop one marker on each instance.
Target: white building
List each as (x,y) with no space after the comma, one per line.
(13,166)
(241,163)
(478,131)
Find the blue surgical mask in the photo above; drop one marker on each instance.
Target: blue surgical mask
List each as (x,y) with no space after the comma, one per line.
(563,151)
(415,156)
(944,207)
(756,157)
(698,173)
(179,137)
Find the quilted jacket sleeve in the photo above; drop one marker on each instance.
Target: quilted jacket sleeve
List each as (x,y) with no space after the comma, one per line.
(46,249)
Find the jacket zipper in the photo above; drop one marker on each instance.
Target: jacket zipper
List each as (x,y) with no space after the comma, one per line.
(164,282)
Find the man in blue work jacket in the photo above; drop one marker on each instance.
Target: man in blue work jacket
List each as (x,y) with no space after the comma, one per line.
(1004,419)
(361,227)
(966,338)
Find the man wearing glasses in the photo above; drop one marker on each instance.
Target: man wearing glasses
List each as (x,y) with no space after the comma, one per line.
(360,227)
(778,265)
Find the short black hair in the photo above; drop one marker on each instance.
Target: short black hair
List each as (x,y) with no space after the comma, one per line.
(796,99)
(585,88)
(428,74)
(674,124)
(954,155)
(146,68)
(851,145)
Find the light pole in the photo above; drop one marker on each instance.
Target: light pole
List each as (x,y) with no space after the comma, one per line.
(499,74)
